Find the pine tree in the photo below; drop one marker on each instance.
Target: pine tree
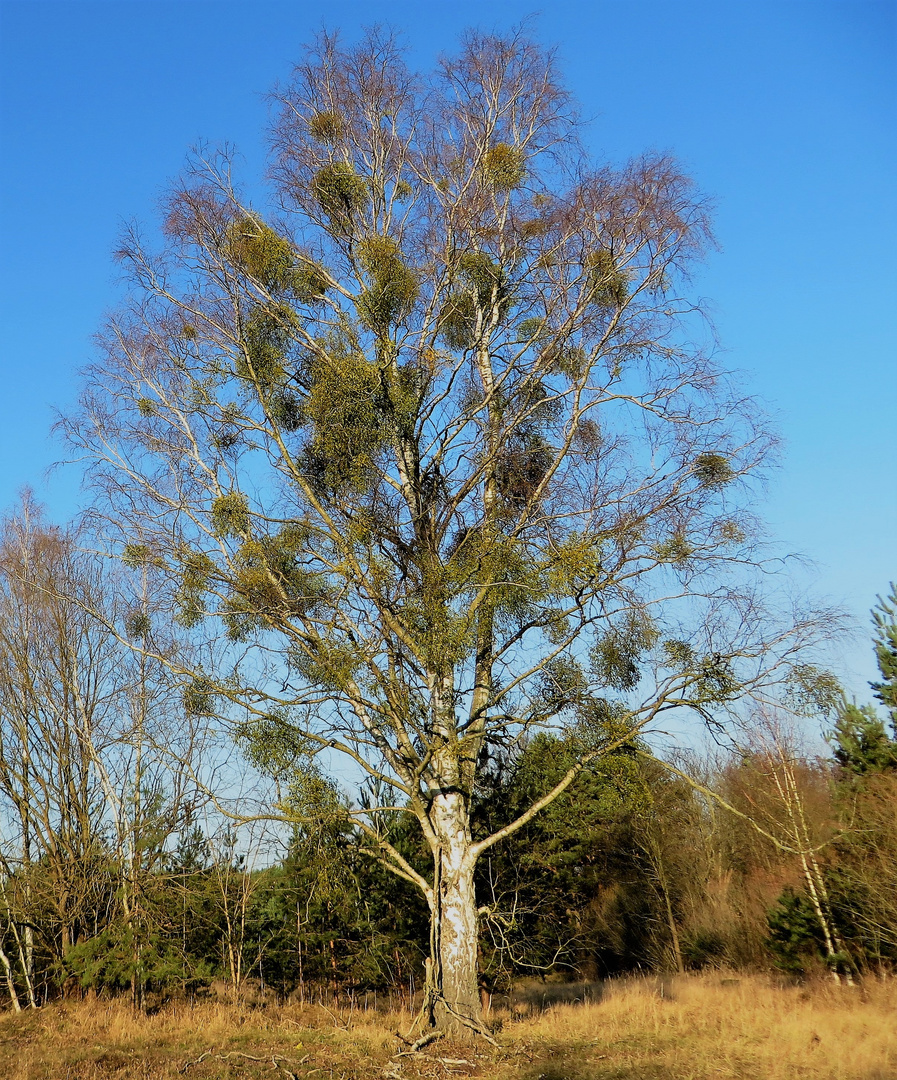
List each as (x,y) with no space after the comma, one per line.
(861,743)
(884,617)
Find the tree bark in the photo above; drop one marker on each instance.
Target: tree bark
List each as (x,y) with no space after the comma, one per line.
(10,982)
(455,937)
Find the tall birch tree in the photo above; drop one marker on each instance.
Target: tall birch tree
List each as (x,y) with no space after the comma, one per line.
(434,448)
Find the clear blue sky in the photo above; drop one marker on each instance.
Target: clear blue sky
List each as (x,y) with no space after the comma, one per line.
(783,111)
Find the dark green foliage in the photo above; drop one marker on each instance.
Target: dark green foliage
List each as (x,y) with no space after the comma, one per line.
(703,948)
(123,954)
(860,742)
(884,617)
(577,891)
(522,465)
(795,936)
(861,868)
(326,920)
(166,939)
(570,892)
(341,194)
(64,898)
(329,919)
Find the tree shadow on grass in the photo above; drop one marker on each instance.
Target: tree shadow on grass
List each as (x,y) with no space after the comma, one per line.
(567,1067)
(538,997)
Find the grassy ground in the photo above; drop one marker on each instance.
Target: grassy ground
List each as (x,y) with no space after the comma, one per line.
(681,1029)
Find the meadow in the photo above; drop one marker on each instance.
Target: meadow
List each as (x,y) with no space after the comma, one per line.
(682,1028)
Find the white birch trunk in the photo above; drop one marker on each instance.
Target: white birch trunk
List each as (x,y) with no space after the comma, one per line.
(456,937)
(10,982)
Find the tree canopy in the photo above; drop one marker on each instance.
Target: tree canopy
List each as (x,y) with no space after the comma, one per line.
(432,452)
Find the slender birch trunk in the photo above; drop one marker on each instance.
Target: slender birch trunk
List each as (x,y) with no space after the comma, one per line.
(786,783)
(10,982)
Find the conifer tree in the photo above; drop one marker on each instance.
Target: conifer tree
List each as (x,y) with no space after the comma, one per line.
(864,874)
(884,618)
(861,743)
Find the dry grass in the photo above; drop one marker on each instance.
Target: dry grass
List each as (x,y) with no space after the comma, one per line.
(676,1029)
(722,1028)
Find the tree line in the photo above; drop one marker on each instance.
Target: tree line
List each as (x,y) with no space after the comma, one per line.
(119,875)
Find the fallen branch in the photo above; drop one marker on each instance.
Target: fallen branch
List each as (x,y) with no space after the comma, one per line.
(275,1059)
(202,1057)
(338,1020)
(419,1044)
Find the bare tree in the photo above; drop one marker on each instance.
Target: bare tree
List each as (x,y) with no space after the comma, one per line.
(779,792)
(440,449)
(667,833)
(56,697)
(90,788)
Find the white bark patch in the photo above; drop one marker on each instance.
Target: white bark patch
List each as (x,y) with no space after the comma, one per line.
(458,913)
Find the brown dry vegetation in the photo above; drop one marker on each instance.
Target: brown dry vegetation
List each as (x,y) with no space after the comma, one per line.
(682,1028)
